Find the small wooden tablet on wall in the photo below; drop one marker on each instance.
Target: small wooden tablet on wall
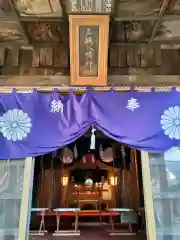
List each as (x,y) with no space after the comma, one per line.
(89,38)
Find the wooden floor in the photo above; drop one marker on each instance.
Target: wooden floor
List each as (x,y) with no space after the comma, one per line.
(93,234)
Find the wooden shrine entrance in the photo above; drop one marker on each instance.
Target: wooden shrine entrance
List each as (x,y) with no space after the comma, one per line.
(50,44)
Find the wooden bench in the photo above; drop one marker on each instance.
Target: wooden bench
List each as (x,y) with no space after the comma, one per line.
(92,213)
(69,212)
(115,232)
(76,213)
(85,213)
(42,230)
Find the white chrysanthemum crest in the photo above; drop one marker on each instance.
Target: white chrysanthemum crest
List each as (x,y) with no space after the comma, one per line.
(132,104)
(170,122)
(15,125)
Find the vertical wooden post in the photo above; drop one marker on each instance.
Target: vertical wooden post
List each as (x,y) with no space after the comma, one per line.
(51,194)
(148,199)
(26,199)
(41,185)
(135,178)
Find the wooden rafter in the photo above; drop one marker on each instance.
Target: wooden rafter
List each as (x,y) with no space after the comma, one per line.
(17,19)
(158,22)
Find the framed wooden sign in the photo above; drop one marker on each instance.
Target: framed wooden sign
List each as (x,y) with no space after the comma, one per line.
(89,38)
(89,6)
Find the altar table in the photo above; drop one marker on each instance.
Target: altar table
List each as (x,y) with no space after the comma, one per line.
(81,202)
(42,230)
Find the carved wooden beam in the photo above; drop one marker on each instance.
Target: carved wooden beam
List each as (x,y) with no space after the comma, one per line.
(158,23)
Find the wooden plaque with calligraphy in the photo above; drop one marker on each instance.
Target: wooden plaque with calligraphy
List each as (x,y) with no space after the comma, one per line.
(89,38)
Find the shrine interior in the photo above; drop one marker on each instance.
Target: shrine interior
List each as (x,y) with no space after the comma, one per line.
(97,181)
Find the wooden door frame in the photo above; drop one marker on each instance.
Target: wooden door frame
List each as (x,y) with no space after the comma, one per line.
(25,210)
(148,198)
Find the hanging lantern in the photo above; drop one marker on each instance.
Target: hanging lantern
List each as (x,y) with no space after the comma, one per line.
(113,180)
(64,181)
(106,154)
(67,156)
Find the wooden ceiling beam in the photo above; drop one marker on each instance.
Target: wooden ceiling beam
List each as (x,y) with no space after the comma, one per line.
(170,43)
(156,42)
(7,20)
(113,80)
(49,19)
(31,19)
(166,17)
(158,22)
(11,44)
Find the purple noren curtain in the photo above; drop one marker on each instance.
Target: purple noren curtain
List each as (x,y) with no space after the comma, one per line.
(35,123)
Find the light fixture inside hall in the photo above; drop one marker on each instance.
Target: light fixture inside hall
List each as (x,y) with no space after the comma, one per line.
(64,181)
(113,180)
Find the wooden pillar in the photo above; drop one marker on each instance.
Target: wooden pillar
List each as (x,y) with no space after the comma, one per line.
(148,198)
(135,193)
(41,202)
(26,199)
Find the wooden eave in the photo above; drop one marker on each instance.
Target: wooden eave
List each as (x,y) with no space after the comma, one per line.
(143,49)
